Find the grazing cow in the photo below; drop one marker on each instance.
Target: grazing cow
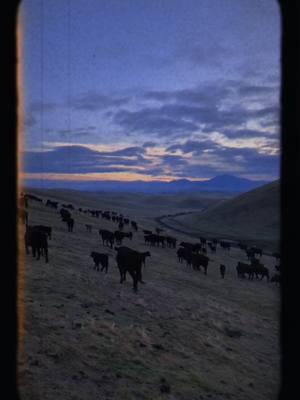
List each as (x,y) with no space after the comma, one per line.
(64,214)
(108,237)
(52,204)
(225,245)
(250,254)
(183,254)
(152,239)
(222,270)
(242,269)
(155,240)
(171,242)
(119,236)
(256,250)
(191,246)
(260,269)
(88,227)
(134,225)
(198,260)
(130,260)
(70,223)
(100,258)
(45,229)
(37,240)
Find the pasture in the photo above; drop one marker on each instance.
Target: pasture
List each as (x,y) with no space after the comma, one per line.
(183,336)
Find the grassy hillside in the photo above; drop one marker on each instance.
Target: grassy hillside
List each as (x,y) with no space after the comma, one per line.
(83,335)
(253,217)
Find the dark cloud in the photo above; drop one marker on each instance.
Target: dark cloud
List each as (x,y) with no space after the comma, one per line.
(149,145)
(192,146)
(245,133)
(92,101)
(79,159)
(154,121)
(256,90)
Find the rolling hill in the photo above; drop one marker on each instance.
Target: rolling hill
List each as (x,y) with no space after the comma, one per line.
(252,216)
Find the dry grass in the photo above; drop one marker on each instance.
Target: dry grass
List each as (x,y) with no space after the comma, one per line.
(86,336)
(252,217)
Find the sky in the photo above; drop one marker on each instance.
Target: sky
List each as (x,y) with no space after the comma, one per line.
(151,89)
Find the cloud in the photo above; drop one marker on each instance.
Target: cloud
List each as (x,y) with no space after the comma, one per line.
(154,121)
(80,159)
(92,101)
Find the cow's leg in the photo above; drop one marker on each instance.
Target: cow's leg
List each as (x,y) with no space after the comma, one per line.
(46,255)
(134,276)
(121,275)
(38,253)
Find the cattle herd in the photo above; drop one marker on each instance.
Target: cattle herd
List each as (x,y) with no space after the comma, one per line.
(195,255)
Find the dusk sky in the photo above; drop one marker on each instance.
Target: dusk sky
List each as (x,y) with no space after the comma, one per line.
(151,89)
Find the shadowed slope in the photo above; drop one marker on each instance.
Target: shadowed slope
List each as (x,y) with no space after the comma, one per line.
(254,215)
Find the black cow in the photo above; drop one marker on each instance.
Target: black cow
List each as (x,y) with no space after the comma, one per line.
(222,270)
(225,245)
(191,246)
(108,237)
(100,258)
(134,225)
(242,269)
(130,260)
(256,250)
(88,227)
(171,242)
(119,236)
(37,240)
(45,229)
(70,223)
(260,269)
(64,214)
(184,253)
(52,204)
(198,260)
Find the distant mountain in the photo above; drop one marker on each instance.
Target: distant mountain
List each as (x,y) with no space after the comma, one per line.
(222,183)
